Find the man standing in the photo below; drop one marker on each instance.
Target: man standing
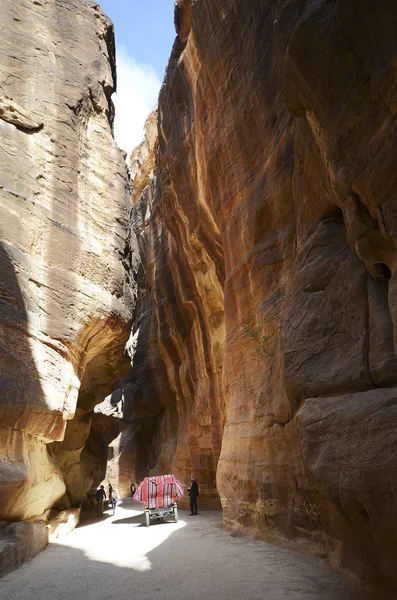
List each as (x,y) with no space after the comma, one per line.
(193,493)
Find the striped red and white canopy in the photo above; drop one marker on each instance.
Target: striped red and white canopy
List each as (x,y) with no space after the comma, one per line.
(159,492)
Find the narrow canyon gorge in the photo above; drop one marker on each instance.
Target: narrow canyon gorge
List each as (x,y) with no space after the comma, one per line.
(224,304)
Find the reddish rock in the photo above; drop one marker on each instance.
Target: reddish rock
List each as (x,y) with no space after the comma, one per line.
(273,204)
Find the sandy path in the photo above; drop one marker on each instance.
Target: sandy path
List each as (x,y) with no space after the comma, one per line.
(118,558)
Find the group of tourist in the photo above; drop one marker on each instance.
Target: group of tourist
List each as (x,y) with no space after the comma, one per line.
(100,498)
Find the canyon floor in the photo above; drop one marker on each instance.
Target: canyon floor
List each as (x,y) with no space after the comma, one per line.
(117,557)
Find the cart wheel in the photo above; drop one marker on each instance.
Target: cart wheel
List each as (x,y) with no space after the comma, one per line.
(176,514)
(147,518)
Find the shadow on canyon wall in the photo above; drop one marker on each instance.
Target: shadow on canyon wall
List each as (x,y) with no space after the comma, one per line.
(29,479)
(19,379)
(172,396)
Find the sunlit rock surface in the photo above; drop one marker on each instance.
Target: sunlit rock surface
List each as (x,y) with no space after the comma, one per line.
(143,157)
(267,290)
(65,298)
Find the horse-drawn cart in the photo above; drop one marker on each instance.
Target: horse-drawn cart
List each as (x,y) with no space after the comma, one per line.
(159,495)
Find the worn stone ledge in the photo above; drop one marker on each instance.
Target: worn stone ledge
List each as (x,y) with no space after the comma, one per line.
(20,542)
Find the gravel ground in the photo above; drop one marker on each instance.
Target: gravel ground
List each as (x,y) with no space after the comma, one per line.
(118,558)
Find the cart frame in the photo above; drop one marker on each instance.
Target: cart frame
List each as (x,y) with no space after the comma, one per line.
(159,513)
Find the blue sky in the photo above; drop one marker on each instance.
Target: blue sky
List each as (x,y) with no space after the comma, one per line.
(145,28)
(144,36)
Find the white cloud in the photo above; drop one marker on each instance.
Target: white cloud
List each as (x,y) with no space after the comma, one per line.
(137,93)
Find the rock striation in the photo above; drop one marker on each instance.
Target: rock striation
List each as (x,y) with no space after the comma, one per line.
(265,343)
(66,297)
(174,396)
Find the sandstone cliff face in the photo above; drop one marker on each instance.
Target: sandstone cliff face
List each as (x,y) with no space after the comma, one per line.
(175,388)
(65,299)
(265,332)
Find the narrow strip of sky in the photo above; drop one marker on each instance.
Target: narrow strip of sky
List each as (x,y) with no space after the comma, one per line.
(144,31)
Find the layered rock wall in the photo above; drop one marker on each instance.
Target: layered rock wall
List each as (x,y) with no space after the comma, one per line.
(265,331)
(173,397)
(65,298)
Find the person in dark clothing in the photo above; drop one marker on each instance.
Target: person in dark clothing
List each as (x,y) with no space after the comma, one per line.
(100,497)
(132,489)
(193,493)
